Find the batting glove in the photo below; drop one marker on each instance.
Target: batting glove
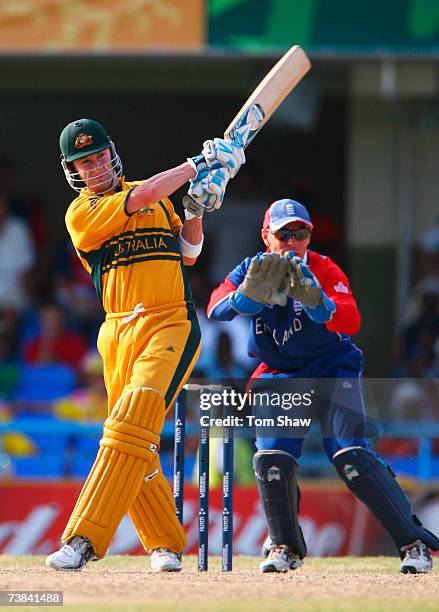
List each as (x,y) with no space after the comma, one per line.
(206,193)
(220,152)
(198,163)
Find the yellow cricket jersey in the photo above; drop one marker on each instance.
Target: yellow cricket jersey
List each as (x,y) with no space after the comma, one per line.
(132,258)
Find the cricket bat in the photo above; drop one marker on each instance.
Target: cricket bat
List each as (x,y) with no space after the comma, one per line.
(268,96)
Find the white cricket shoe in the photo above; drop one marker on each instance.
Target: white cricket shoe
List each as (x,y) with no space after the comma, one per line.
(73,556)
(295,560)
(417,559)
(165,560)
(280,559)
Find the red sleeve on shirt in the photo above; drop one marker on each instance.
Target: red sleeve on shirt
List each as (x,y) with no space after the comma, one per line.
(347,318)
(220,293)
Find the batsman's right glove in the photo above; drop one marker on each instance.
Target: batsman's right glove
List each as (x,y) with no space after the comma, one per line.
(267,282)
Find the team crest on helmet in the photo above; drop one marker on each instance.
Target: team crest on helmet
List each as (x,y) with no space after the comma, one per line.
(83,140)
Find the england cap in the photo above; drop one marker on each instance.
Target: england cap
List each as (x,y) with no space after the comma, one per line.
(281,212)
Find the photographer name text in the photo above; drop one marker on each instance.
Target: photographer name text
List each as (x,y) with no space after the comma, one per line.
(251,420)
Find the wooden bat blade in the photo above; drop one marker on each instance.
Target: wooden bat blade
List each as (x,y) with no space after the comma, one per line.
(268,95)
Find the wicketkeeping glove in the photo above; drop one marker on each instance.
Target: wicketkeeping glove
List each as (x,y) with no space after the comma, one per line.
(206,192)
(223,152)
(267,282)
(306,289)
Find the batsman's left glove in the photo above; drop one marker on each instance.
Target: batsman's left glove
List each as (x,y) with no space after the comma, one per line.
(206,193)
(306,289)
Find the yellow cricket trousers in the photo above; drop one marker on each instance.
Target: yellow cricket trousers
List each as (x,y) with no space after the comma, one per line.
(148,357)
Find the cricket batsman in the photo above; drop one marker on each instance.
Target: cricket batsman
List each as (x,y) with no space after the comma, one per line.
(303,315)
(135,247)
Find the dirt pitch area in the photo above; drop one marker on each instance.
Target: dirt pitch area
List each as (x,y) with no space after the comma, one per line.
(323,585)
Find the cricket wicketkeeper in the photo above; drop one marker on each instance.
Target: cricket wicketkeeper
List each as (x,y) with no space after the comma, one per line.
(300,332)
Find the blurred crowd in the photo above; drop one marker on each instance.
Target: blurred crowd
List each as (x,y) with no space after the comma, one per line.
(415,399)
(417,351)
(49,310)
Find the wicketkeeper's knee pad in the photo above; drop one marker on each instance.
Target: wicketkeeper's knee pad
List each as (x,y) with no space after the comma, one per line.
(275,472)
(153,512)
(374,483)
(130,442)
